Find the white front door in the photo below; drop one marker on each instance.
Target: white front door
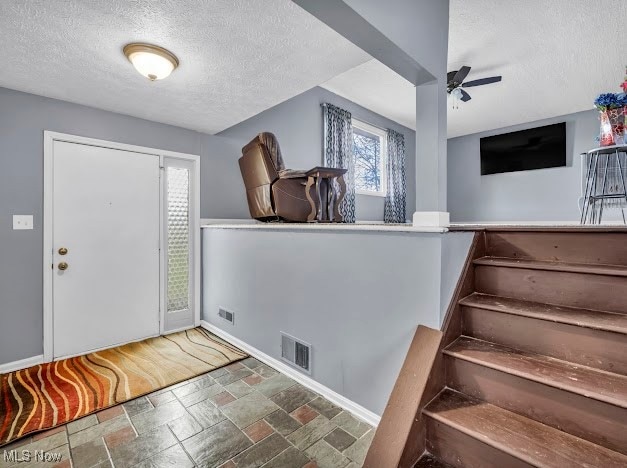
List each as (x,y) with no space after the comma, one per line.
(106,213)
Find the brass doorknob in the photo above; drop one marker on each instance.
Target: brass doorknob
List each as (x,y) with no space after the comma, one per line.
(62,251)
(63,266)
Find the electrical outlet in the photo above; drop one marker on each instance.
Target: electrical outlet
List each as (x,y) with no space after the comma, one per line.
(22,222)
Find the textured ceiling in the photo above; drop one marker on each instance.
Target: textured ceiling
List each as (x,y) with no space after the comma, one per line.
(238,57)
(376,87)
(555,57)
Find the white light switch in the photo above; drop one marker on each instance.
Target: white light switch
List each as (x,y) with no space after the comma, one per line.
(22,222)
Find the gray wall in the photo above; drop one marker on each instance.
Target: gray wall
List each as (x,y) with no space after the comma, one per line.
(297,123)
(23,119)
(222,191)
(539,195)
(356,297)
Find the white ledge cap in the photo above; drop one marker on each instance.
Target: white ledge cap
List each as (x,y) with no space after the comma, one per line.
(320,227)
(431,219)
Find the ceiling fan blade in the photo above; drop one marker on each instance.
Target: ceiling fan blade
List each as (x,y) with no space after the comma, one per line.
(482,81)
(461,75)
(465,96)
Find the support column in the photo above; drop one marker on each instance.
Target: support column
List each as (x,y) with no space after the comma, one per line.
(431,155)
(411,38)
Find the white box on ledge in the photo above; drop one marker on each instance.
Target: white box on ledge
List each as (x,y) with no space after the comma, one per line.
(431,219)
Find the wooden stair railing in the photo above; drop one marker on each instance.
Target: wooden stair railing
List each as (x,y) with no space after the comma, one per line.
(530,368)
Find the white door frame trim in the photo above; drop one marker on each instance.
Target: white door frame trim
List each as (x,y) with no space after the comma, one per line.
(49,139)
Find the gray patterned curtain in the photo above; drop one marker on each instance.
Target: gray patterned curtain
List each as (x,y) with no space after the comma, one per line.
(338,152)
(396,193)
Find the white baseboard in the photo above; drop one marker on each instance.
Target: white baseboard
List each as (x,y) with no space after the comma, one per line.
(334,397)
(22,364)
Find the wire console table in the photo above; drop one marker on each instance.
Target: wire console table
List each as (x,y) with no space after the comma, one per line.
(605,182)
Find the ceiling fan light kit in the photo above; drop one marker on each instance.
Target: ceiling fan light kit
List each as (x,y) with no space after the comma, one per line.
(455,83)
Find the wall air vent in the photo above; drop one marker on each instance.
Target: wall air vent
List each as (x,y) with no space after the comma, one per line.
(226,315)
(296,352)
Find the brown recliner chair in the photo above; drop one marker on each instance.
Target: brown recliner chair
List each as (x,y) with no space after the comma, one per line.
(273,192)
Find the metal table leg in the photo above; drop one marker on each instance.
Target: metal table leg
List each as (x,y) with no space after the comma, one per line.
(590,203)
(622,178)
(586,193)
(607,163)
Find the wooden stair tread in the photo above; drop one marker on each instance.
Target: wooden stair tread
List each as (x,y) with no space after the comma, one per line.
(613,270)
(429,461)
(585,381)
(520,437)
(598,320)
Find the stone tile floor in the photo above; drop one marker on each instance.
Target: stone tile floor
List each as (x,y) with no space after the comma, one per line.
(243,415)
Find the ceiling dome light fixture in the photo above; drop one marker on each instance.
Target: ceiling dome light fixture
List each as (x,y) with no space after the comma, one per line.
(154,62)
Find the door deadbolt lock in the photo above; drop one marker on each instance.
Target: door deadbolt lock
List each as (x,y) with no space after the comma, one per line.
(62,251)
(63,266)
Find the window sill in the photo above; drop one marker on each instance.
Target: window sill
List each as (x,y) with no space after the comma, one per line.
(371,194)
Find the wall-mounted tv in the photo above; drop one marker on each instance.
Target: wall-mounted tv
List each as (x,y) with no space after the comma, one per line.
(536,148)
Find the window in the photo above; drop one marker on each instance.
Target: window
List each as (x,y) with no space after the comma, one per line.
(370,152)
(178,239)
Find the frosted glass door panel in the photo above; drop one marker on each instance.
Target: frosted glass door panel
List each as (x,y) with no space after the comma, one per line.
(178,239)
(178,242)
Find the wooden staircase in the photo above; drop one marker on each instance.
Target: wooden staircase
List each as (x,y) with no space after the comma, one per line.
(532,370)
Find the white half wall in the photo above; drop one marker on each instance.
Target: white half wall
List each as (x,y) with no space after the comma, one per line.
(356,297)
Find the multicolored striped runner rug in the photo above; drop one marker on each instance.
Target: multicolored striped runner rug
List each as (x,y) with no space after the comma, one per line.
(42,397)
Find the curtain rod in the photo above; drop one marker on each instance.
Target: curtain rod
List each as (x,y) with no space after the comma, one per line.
(325,104)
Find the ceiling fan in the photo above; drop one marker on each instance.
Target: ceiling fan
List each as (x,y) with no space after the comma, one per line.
(455,83)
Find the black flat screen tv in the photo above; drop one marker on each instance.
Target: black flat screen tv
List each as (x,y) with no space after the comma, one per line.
(536,148)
